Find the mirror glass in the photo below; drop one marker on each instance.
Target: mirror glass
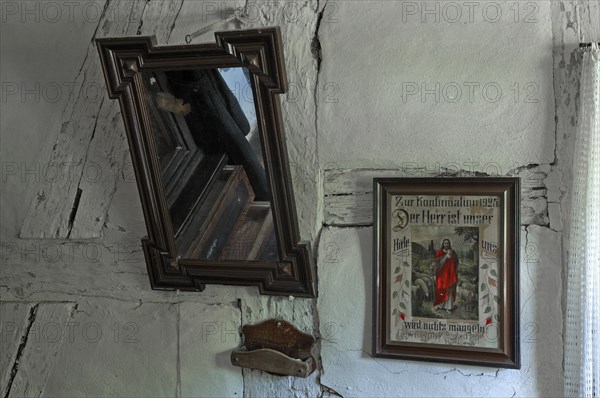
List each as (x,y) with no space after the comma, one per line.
(207,139)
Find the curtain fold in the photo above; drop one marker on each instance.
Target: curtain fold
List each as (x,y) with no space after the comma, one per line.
(582,332)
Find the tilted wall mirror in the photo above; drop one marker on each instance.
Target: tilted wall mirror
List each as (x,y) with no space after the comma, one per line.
(204,127)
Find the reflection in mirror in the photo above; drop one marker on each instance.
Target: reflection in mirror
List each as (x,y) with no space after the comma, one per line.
(207,139)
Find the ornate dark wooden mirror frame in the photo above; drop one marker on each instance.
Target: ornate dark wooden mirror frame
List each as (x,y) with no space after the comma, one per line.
(261,52)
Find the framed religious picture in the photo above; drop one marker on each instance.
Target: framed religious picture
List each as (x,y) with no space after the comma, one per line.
(446,254)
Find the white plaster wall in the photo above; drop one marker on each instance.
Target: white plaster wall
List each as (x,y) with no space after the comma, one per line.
(415,86)
(37,84)
(78,317)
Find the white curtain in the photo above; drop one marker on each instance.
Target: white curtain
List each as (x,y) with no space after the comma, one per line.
(582,338)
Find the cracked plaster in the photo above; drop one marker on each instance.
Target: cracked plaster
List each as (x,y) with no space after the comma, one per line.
(323,51)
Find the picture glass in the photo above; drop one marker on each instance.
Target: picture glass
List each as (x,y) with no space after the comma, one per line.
(445,261)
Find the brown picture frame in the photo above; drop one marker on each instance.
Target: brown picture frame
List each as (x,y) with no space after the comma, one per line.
(261,52)
(456,303)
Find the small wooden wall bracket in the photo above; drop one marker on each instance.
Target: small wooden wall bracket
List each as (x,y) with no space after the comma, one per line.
(277,347)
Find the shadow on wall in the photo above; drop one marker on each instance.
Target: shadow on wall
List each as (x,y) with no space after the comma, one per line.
(366,258)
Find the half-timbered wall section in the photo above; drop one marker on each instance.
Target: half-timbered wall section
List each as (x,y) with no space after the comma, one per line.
(377,88)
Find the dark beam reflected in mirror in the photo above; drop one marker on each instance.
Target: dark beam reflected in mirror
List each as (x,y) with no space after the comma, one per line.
(207,139)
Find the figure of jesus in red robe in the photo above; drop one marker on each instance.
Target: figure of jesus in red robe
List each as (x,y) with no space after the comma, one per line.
(445,276)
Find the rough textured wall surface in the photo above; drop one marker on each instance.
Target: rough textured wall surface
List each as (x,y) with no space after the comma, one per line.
(528,136)
(376,88)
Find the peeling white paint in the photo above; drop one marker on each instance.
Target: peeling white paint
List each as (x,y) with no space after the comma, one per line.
(345,111)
